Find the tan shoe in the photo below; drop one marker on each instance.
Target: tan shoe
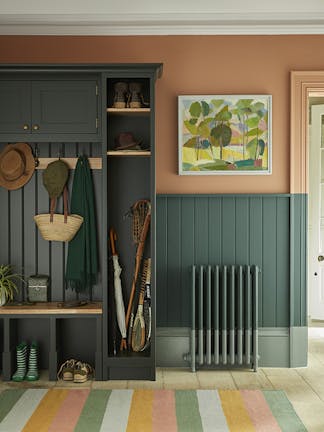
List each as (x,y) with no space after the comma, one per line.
(66,371)
(82,371)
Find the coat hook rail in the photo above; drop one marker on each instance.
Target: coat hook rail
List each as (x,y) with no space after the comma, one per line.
(95,163)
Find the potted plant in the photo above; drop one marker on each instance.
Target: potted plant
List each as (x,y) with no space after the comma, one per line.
(8,283)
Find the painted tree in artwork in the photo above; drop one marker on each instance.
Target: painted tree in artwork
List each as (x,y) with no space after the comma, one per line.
(258,125)
(198,126)
(221,133)
(252,125)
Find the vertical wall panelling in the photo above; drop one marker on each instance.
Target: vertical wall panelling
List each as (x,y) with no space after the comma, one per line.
(21,242)
(282,275)
(255,241)
(4,222)
(215,230)
(242,216)
(174,261)
(269,253)
(201,235)
(29,228)
(16,230)
(223,229)
(161,257)
(188,217)
(298,246)
(228,229)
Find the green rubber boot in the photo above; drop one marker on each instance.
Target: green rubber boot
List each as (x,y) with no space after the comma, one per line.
(32,373)
(20,373)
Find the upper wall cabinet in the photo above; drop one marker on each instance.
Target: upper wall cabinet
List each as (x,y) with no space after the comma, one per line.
(49,110)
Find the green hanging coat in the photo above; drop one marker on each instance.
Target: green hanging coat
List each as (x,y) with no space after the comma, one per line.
(82,260)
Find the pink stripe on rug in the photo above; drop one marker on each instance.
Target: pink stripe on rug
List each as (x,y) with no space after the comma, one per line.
(259,411)
(164,415)
(68,415)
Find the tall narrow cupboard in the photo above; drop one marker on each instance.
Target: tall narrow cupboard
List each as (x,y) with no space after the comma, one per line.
(39,107)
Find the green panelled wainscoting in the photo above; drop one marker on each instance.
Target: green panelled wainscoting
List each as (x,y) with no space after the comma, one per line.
(267,230)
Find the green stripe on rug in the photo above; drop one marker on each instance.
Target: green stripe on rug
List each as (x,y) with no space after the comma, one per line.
(93,411)
(283,411)
(187,411)
(8,398)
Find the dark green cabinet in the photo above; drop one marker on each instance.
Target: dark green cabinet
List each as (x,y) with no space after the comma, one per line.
(45,109)
(69,110)
(15,107)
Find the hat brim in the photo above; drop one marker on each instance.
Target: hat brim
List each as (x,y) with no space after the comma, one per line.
(29,166)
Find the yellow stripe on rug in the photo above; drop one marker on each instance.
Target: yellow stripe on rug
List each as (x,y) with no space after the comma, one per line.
(140,415)
(235,412)
(42,418)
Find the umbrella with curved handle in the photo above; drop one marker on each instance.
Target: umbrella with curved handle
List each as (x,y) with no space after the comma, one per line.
(120,308)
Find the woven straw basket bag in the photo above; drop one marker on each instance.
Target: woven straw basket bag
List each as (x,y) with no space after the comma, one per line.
(58,227)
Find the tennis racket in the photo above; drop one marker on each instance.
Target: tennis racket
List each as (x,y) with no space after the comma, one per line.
(138,333)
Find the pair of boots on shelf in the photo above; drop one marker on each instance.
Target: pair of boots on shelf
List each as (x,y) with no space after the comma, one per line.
(128,95)
(22,373)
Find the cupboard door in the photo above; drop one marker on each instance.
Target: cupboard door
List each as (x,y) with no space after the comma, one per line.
(64,107)
(15,107)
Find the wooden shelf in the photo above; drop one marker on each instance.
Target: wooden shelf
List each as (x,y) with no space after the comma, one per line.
(129,111)
(51,308)
(95,163)
(129,153)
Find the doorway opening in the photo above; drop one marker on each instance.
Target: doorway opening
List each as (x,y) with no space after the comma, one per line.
(316,207)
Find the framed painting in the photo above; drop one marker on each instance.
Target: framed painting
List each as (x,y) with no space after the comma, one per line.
(224,134)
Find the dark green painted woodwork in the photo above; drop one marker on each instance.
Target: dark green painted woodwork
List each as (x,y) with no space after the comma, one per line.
(298,247)
(21,242)
(64,106)
(32,109)
(232,229)
(15,107)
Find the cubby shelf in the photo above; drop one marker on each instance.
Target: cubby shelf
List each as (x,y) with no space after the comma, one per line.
(136,153)
(129,111)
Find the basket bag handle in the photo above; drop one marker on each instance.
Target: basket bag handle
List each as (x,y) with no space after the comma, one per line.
(65,205)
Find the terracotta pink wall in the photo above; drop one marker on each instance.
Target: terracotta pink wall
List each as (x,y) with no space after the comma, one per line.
(195,65)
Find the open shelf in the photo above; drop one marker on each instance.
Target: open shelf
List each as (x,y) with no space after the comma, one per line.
(129,111)
(51,308)
(129,153)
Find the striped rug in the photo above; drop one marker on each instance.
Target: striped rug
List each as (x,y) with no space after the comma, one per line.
(84,410)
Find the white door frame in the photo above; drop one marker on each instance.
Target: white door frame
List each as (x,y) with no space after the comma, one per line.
(303,85)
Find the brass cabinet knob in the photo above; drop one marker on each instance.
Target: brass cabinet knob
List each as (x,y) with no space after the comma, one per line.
(26,126)
(320,258)
(35,127)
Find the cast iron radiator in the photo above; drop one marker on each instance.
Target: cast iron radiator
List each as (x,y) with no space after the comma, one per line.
(224,313)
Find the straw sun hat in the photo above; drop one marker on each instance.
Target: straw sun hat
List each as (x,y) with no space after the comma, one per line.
(17,165)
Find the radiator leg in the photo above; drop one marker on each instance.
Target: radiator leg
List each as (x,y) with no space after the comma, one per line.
(232,346)
(240,347)
(193,350)
(216,347)
(201,346)
(224,347)
(208,347)
(256,350)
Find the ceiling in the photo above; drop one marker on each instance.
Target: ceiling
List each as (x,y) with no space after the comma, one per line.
(147,17)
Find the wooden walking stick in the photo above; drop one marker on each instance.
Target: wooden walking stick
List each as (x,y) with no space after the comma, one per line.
(141,222)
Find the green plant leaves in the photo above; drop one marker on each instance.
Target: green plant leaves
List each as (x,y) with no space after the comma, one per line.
(8,279)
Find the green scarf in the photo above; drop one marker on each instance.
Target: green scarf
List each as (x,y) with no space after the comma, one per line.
(82,261)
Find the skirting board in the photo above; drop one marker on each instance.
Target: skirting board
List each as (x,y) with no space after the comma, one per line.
(278,346)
